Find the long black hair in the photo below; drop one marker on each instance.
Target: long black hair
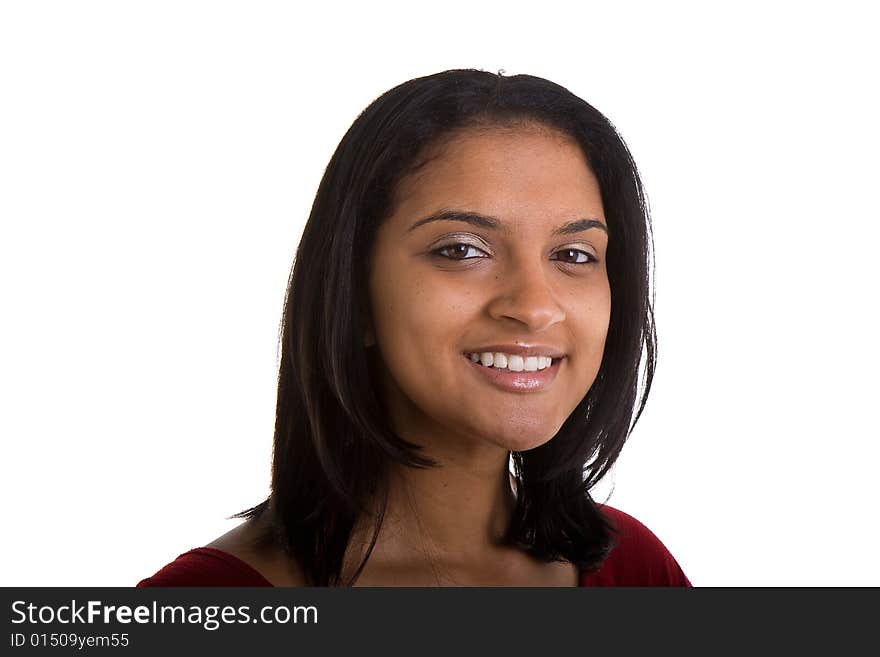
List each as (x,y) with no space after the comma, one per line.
(333,443)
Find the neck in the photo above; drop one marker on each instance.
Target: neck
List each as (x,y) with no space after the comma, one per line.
(456,512)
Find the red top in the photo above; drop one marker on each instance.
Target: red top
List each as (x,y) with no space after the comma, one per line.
(638,559)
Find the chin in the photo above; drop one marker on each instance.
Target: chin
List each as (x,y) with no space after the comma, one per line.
(523,436)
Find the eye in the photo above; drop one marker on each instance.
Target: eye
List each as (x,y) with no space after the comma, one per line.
(459,251)
(576,257)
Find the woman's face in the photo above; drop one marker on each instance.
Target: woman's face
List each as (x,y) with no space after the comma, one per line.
(496,246)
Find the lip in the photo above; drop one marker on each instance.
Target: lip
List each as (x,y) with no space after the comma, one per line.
(516,381)
(520,350)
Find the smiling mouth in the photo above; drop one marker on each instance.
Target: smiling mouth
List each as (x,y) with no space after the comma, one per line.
(512,362)
(516,380)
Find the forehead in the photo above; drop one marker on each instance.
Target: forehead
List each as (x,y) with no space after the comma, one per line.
(525,173)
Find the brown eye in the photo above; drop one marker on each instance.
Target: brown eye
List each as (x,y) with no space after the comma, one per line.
(576,256)
(458,251)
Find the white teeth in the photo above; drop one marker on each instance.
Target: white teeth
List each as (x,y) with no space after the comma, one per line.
(512,363)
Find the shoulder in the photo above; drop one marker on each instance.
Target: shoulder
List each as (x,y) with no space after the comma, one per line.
(238,558)
(637,558)
(206,566)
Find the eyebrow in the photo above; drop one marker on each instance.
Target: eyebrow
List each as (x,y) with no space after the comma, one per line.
(484,221)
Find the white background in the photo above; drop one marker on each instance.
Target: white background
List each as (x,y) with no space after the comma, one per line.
(158,161)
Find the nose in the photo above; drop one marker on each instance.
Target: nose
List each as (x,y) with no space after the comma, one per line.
(525,296)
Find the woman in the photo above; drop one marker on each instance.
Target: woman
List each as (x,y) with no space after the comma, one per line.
(471,292)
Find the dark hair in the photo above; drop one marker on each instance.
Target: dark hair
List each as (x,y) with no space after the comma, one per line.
(333,442)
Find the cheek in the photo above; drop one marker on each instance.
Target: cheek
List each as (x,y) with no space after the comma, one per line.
(593,318)
(601,319)
(418,306)
(417,320)
(402,307)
